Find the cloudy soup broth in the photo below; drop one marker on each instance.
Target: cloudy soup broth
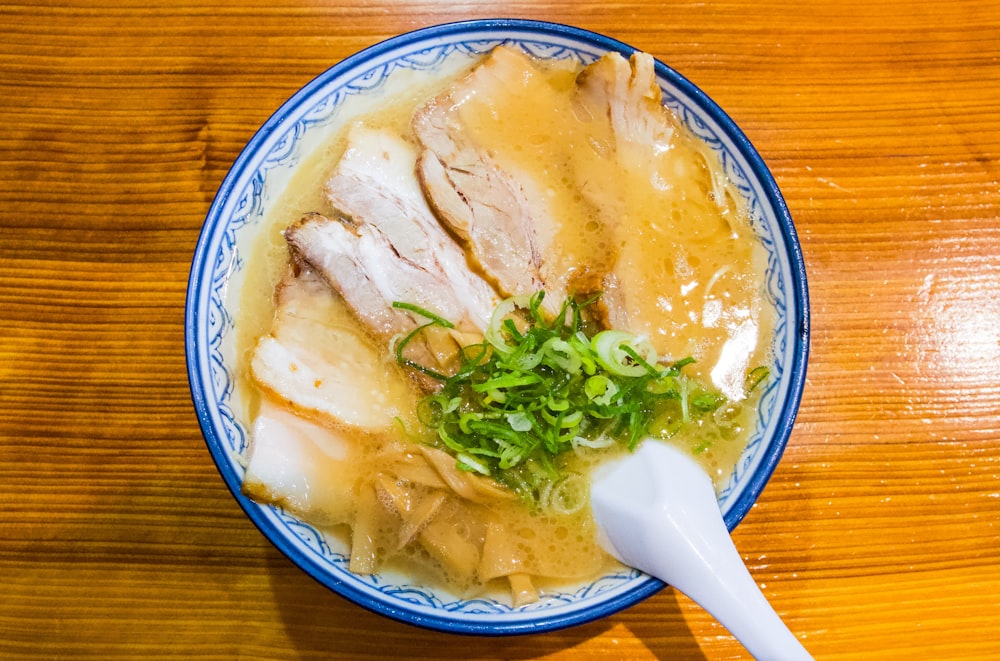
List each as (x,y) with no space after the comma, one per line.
(659,222)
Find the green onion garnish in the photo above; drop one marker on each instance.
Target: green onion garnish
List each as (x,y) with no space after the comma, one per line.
(536,388)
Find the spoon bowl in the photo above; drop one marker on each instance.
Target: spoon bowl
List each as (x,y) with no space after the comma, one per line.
(656,510)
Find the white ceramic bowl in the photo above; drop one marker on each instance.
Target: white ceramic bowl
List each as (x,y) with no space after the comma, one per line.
(353,86)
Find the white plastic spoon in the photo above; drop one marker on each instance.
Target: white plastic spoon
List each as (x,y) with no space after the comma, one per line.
(656,510)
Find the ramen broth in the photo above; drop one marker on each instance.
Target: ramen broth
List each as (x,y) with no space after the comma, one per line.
(681,241)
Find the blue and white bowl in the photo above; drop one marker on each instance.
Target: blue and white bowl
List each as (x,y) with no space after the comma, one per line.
(353,87)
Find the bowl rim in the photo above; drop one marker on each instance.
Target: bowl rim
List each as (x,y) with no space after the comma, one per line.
(772,451)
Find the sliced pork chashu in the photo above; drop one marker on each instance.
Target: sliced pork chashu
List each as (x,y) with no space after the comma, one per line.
(363,267)
(624,95)
(620,105)
(317,361)
(301,465)
(683,273)
(375,184)
(497,210)
(531,167)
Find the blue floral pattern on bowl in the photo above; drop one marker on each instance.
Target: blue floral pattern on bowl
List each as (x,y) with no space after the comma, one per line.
(237,213)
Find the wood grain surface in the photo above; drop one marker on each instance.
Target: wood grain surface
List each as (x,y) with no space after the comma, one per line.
(877,538)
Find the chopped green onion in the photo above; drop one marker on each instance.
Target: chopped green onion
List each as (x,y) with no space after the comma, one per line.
(466,462)
(507,381)
(600,389)
(616,351)
(519,421)
(756,376)
(435,319)
(538,387)
(562,354)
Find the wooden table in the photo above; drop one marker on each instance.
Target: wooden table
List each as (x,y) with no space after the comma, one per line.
(878,536)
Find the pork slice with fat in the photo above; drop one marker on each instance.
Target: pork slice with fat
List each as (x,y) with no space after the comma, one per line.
(317,361)
(367,272)
(484,205)
(375,184)
(622,103)
(624,94)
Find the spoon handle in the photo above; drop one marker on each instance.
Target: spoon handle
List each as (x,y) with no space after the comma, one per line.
(716,578)
(658,512)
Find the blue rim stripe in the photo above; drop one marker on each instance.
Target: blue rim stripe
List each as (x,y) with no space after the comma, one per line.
(197,314)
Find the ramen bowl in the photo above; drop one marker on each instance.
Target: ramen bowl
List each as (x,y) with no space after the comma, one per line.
(352,88)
